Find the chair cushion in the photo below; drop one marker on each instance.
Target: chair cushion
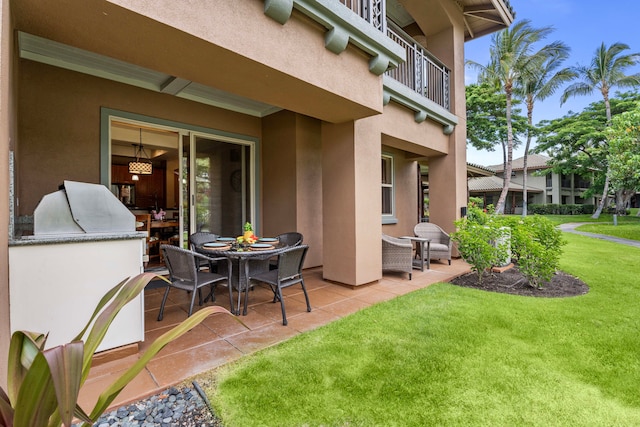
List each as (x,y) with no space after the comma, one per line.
(439,247)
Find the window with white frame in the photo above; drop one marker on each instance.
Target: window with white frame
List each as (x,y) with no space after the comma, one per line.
(387,187)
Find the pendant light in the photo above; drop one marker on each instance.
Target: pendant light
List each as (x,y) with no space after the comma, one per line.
(142,165)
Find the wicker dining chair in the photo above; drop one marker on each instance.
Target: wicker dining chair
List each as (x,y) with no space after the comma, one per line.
(184,275)
(291,238)
(397,254)
(200,238)
(288,273)
(440,246)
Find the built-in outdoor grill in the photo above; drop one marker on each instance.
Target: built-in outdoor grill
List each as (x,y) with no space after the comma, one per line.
(79,208)
(84,242)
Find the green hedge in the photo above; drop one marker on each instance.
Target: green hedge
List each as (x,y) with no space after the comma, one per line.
(554,209)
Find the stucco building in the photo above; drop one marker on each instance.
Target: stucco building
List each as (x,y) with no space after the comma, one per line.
(281,112)
(543,185)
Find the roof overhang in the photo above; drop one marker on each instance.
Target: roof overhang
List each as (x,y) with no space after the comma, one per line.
(482,17)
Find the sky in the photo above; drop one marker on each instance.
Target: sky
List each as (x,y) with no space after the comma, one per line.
(582,25)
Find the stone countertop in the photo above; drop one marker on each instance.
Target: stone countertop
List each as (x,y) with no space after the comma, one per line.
(76,238)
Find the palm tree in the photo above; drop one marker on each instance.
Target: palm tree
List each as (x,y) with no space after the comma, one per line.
(605,72)
(512,61)
(539,85)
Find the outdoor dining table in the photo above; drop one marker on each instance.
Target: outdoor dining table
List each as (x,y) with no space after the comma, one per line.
(241,263)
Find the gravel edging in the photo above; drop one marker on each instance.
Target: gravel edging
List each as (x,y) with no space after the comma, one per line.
(174,407)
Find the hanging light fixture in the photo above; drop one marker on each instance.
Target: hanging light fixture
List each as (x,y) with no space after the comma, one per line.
(142,165)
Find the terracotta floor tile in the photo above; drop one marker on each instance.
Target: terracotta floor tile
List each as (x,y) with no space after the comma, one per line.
(221,338)
(141,386)
(195,337)
(108,368)
(308,321)
(373,296)
(346,307)
(225,325)
(266,336)
(177,366)
(323,297)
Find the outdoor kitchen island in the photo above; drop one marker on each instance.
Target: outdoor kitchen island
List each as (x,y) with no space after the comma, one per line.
(84,243)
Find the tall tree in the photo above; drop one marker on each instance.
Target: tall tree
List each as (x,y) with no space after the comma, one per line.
(606,71)
(486,124)
(539,85)
(577,142)
(624,155)
(512,59)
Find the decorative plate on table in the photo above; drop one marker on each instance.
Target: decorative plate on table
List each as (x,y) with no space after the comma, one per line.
(261,247)
(216,246)
(270,240)
(225,239)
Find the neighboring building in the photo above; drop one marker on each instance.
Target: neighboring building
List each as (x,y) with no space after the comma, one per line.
(277,113)
(543,185)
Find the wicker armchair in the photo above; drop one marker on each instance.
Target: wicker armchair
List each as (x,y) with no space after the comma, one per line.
(397,254)
(440,246)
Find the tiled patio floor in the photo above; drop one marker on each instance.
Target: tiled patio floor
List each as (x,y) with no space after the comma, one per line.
(221,339)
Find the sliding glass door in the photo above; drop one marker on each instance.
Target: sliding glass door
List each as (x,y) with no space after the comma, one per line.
(221,184)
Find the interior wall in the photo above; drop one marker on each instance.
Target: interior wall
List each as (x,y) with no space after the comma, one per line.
(59,125)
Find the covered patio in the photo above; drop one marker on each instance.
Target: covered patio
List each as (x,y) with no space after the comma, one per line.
(221,339)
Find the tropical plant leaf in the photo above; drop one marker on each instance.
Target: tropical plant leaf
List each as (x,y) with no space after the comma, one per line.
(127,291)
(6,411)
(36,400)
(107,396)
(65,364)
(23,348)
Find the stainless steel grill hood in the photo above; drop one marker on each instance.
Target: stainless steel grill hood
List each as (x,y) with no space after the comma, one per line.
(81,208)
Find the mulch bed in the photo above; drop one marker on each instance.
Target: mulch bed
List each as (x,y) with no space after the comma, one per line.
(511,281)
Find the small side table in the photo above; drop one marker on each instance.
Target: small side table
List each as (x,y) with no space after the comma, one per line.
(420,241)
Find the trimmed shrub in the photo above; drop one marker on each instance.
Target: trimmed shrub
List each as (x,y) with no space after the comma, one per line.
(535,243)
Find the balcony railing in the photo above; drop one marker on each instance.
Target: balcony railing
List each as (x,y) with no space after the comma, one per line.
(422,72)
(372,11)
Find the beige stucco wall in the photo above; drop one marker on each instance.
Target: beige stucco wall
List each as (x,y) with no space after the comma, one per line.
(59,125)
(448,174)
(7,132)
(292,179)
(351,201)
(227,44)
(406,193)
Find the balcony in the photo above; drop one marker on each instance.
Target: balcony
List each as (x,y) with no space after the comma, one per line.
(422,72)
(412,77)
(372,11)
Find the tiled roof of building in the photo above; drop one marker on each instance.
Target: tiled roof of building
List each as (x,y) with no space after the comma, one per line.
(534,161)
(494,183)
(474,170)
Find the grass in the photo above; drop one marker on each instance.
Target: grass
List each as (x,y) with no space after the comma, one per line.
(447,355)
(603,218)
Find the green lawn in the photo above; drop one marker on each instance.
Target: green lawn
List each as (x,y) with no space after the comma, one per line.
(451,356)
(604,218)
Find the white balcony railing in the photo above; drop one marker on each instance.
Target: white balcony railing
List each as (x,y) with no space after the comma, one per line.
(422,72)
